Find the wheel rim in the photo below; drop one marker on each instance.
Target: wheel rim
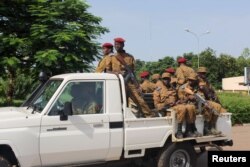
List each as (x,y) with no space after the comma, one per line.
(180,158)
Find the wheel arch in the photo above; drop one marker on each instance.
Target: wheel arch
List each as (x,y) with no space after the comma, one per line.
(8,152)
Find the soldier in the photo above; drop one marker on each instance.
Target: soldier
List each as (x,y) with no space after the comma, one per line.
(210,92)
(105,64)
(164,97)
(183,71)
(82,101)
(185,95)
(146,85)
(210,118)
(156,79)
(171,71)
(120,61)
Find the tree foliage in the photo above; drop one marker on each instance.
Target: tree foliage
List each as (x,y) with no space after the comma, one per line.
(219,67)
(55,36)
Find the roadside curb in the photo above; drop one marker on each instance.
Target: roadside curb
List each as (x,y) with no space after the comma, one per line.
(246,124)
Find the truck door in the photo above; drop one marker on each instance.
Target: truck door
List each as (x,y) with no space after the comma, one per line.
(84,136)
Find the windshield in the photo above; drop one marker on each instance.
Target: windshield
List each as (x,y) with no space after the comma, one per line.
(44,95)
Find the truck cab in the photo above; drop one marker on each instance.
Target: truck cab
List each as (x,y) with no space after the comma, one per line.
(85,118)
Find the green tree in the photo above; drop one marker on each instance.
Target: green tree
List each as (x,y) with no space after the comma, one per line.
(208,59)
(56,36)
(227,66)
(63,35)
(15,23)
(154,67)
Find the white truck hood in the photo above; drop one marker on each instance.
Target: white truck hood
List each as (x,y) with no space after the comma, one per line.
(13,117)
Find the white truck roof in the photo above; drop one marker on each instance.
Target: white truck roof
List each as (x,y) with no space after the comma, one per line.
(92,76)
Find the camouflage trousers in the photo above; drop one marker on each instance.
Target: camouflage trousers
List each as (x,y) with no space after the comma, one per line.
(210,116)
(134,95)
(185,112)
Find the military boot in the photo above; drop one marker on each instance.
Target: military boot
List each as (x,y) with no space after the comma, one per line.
(207,129)
(179,134)
(194,130)
(213,125)
(214,131)
(189,132)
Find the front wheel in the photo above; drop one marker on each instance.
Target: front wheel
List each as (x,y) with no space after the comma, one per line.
(177,155)
(4,162)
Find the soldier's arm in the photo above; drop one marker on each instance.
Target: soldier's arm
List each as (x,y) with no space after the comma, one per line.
(101,66)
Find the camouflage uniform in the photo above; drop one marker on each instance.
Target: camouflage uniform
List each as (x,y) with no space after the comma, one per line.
(164,97)
(81,102)
(147,86)
(104,64)
(186,98)
(83,106)
(210,118)
(156,79)
(117,67)
(182,73)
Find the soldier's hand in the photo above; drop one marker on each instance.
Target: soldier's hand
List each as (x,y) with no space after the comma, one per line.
(191,97)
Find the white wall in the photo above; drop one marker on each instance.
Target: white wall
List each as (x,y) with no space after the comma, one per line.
(233,83)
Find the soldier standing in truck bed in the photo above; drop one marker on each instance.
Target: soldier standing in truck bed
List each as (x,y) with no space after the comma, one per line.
(183,71)
(119,62)
(146,85)
(105,63)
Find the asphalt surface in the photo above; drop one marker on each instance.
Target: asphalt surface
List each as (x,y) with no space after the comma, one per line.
(241,139)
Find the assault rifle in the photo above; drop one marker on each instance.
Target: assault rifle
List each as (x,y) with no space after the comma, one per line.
(201,101)
(129,74)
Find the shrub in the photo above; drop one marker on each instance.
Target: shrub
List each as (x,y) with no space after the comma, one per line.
(238,104)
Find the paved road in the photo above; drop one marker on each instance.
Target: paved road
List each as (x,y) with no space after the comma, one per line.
(241,139)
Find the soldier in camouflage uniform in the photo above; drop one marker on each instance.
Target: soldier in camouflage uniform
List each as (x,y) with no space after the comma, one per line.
(186,97)
(183,71)
(156,79)
(164,97)
(82,101)
(210,118)
(105,64)
(119,68)
(146,85)
(171,71)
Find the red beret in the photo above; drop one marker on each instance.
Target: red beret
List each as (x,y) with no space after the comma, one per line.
(182,60)
(119,39)
(170,70)
(144,74)
(108,45)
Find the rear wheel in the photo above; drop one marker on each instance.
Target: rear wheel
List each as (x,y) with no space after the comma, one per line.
(4,162)
(177,155)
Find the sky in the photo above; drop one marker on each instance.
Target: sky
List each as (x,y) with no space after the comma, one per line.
(154,29)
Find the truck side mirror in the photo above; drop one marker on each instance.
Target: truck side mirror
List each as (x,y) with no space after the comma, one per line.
(43,77)
(67,110)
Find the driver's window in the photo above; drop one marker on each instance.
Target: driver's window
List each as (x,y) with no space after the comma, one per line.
(84,97)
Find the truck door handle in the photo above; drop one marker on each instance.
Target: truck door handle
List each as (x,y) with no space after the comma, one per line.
(98,125)
(57,129)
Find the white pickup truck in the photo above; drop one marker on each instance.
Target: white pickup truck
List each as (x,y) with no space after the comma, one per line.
(47,133)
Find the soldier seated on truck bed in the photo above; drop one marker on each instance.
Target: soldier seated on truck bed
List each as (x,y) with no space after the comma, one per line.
(164,97)
(210,118)
(146,85)
(186,97)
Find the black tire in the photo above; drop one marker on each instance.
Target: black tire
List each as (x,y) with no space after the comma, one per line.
(177,155)
(4,162)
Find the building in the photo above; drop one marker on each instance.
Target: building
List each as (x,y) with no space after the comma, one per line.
(234,84)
